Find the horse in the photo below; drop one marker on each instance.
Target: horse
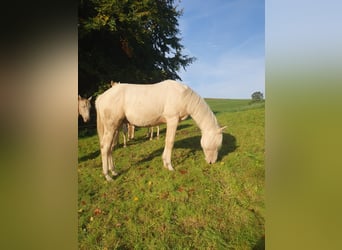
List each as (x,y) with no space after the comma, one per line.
(149,105)
(84,106)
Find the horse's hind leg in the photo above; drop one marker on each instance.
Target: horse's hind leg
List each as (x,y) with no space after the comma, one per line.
(148,133)
(131,131)
(151,135)
(157,132)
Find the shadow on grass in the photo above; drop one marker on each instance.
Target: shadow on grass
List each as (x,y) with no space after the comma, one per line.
(92,155)
(193,143)
(89,156)
(183,126)
(86,132)
(228,146)
(97,153)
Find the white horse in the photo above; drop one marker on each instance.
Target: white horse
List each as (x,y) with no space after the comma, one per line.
(149,105)
(84,106)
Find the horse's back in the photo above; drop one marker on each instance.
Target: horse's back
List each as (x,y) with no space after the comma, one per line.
(163,89)
(145,104)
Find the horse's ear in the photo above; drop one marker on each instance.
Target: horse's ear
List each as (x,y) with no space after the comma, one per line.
(222,128)
(90,98)
(79,97)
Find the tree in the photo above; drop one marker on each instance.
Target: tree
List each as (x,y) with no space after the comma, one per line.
(257,96)
(129,41)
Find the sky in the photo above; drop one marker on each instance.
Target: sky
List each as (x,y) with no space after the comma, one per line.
(227,37)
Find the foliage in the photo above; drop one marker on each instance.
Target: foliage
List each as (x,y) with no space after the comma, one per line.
(197,206)
(257,96)
(133,41)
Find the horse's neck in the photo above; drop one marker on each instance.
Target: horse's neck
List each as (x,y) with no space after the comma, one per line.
(202,114)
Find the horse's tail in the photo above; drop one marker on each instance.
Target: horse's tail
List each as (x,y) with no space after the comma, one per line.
(99,124)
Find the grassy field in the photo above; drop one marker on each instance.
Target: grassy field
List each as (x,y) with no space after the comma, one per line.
(197,206)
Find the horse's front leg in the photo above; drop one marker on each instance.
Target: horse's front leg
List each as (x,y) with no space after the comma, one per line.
(125,134)
(115,140)
(169,141)
(110,156)
(106,152)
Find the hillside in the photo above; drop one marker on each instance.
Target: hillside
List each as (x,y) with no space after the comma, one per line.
(218,206)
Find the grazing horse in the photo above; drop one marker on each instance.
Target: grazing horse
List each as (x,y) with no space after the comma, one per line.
(84,108)
(149,105)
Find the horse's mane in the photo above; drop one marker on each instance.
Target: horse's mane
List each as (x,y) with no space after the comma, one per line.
(200,110)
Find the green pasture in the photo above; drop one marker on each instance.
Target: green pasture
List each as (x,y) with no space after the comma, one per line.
(197,206)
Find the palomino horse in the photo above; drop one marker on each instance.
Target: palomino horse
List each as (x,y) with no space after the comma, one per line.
(84,108)
(149,105)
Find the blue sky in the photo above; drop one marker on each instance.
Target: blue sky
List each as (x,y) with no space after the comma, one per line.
(228,39)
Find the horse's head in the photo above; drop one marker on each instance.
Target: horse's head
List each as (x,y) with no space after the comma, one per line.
(84,108)
(211,142)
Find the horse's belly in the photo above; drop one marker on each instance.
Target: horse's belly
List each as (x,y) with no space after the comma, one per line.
(145,120)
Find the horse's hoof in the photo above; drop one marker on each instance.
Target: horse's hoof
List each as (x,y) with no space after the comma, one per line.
(108,178)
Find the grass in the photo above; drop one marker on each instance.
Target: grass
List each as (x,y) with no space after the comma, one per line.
(198,206)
